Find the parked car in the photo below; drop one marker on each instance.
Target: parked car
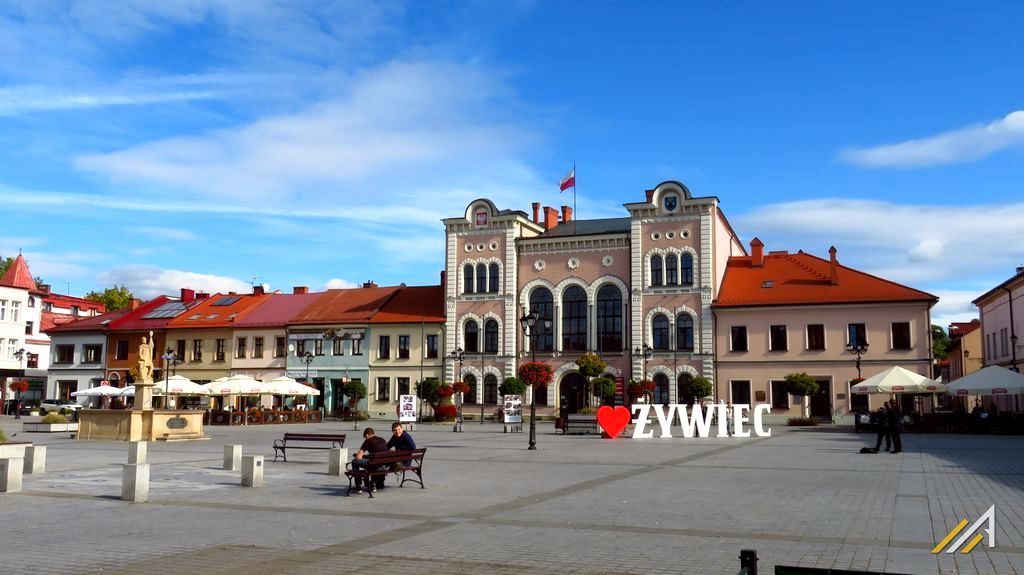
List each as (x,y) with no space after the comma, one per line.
(59,405)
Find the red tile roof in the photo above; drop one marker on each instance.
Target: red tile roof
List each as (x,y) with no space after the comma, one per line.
(413,305)
(801,278)
(18,275)
(962,328)
(81,302)
(218,310)
(345,306)
(277,310)
(132,321)
(93,323)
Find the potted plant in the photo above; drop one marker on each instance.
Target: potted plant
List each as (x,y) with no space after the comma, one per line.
(638,389)
(51,422)
(700,387)
(445,410)
(590,366)
(804,386)
(604,389)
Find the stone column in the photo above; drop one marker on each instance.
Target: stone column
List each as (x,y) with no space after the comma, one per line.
(35,460)
(336,461)
(138,452)
(135,483)
(10,474)
(232,457)
(252,471)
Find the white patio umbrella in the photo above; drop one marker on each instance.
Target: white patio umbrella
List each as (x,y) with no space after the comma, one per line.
(236,385)
(898,380)
(288,386)
(181,385)
(993,380)
(98,391)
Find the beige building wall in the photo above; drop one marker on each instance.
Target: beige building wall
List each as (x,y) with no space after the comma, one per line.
(996,326)
(415,368)
(208,367)
(834,365)
(266,366)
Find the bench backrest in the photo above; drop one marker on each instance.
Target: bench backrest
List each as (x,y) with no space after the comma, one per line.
(382,457)
(313,437)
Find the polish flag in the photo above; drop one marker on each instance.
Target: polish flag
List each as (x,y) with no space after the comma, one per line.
(568,181)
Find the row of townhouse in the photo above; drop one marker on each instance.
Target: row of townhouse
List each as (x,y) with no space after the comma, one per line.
(386,337)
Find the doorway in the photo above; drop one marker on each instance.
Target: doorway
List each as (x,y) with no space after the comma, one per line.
(821,402)
(683,393)
(573,391)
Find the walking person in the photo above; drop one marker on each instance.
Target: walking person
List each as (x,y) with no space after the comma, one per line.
(895,427)
(881,421)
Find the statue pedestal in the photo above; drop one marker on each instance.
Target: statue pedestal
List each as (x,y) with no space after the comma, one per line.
(143,396)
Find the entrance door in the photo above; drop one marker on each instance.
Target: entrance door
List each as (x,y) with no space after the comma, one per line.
(573,392)
(821,402)
(740,392)
(683,390)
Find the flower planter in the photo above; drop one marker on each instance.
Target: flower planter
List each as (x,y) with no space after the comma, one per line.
(50,427)
(13,449)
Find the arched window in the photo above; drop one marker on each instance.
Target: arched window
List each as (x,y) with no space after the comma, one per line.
(656,270)
(471,337)
(481,278)
(659,331)
(684,332)
(609,318)
(683,389)
(490,388)
(470,380)
(467,278)
(686,270)
(661,388)
(574,319)
(494,279)
(542,303)
(490,336)
(671,278)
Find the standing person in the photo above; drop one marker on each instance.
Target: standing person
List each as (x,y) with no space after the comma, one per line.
(729,421)
(371,444)
(895,424)
(881,421)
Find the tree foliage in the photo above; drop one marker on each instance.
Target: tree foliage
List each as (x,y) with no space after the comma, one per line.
(512,386)
(113,298)
(801,384)
(355,389)
(940,342)
(700,387)
(591,365)
(604,387)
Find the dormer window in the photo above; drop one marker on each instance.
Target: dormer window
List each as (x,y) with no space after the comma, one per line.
(768,283)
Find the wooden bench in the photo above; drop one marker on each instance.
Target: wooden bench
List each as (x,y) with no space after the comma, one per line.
(288,442)
(382,463)
(579,425)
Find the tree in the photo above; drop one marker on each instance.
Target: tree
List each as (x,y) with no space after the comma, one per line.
(512,386)
(604,388)
(113,298)
(700,387)
(427,390)
(591,365)
(940,342)
(803,385)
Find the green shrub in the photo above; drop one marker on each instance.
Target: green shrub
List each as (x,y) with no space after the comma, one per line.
(53,418)
(512,386)
(801,384)
(587,411)
(800,421)
(604,387)
(700,387)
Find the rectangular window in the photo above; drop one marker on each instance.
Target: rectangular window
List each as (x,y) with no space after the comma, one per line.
(240,345)
(357,347)
(65,354)
(218,354)
(3,310)
(280,346)
(2,355)
(75,310)
(403,386)
(318,347)
(300,348)
(384,348)
(857,334)
(33,361)
(28,328)
(121,351)
(432,347)
(1005,342)
(738,338)
(780,397)
(740,392)
(15,311)
(336,348)
(180,351)
(383,389)
(403,347)
(901,335)
(197,350)
(257,347)
(91,353)
(815,336)
(778,340)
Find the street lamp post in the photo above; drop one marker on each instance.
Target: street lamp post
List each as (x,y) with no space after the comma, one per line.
(859,348)
(482,384)
(645,353)
(170,362)
(458,355)
(307,358)
(20,354)
(531,327)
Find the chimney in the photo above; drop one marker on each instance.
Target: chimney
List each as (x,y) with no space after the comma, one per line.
(369,284)
(257,290)
(136,303)
(202,295)
(550,217)
(566,214)
(650,196)
(833,266)
(232,293)
(756,253)
(299,290)
(45,288)
(444,282)
(536,212)
(187,295)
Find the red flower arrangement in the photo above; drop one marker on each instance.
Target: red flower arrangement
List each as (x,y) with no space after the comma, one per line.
(460,387)
(445,412)
(19,386)
(639,388)
(446,391)
(535,373)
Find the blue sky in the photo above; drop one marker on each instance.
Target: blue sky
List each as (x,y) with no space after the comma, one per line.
(174,143)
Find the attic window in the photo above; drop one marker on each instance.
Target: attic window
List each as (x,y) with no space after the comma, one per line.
(232,316)
(768,283)
(212,316)
(196,316)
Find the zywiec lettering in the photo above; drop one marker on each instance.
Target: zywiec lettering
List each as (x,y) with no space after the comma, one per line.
(698,421)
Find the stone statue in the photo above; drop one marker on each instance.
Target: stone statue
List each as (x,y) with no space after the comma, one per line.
(146,359)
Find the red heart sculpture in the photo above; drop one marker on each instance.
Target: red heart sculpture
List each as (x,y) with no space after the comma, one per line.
(613,421)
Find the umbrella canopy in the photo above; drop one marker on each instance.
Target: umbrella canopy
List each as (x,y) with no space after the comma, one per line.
(237,385)
(288,386)
(99,391)
(130,391)
(993,380)
(181,385)
(898,380)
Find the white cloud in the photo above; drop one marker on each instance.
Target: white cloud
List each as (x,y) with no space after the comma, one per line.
(957,146)
(173,234)
(336,283)
(22,99)
(955,305)
(149,281)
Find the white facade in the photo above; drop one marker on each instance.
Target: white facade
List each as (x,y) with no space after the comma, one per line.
(76,362)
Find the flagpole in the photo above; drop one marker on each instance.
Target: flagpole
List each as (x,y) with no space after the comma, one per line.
(576,215)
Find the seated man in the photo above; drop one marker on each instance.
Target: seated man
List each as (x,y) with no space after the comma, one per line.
(401,441)
(371,444)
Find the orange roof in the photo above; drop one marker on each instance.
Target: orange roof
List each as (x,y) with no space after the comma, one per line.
(219,310)
(18,276)
(800,278)
(356,305)
(413,305)
(963,327)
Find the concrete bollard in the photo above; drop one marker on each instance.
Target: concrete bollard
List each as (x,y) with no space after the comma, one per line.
(138,452)
(10,474)
(35,460)
(252,471)
(232,457)
(336,461)
(135,483)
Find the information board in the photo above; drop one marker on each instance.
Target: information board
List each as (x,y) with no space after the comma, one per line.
(407,408)
(513,409)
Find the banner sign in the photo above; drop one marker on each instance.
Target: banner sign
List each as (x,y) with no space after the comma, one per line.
(299,373)
(513,409)
(407,408)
